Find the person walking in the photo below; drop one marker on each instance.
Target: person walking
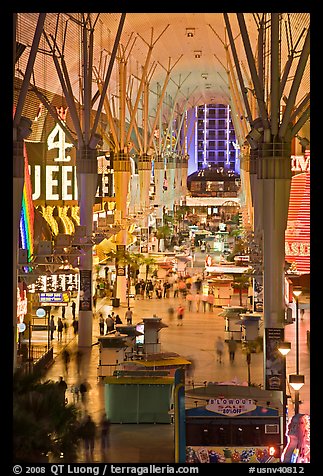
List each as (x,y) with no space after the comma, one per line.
(62,386)
(180,315)
(105,432)
(109,323)
(66,356)
(60,327)
(189,299)
(128,316)
(175,289)
(118,319)
(73,305)
(75,325)
(219,348)
(197,299)
(232,346)
(94,301)
(65,325)
(84,387)
(101,324)
(88,431)
(78,361)
(210,299)
(204,300)
(63,312)
(171,312)
(52,327)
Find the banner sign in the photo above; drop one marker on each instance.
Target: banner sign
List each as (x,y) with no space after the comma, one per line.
(54,297)
(275,365)
(231,406)
(85,290)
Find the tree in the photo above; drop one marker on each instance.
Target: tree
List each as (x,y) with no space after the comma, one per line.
(42,423)
(148,261)
(124,258)
(241,282)
(163,232)
(180,214)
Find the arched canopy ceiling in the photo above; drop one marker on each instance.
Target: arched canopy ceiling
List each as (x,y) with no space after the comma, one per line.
(192,45)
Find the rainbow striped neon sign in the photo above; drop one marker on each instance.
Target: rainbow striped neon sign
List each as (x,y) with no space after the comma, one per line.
(27,214)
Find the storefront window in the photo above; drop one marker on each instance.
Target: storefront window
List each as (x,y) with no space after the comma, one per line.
(214,186)
(195,186)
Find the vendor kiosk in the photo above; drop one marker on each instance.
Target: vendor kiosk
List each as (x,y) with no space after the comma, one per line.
(232,424)
(111,353)
(250,324)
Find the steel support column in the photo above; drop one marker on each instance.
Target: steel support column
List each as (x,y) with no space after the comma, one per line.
(121,167)
(86,184)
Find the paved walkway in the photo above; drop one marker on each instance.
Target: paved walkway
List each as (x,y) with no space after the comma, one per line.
(141,443)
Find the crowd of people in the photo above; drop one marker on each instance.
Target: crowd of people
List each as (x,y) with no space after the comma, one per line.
(185,294)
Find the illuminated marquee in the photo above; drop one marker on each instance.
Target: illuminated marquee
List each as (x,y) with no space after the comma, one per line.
(297,235)
(301,163)
(21,304)
(59,180)
(55,181)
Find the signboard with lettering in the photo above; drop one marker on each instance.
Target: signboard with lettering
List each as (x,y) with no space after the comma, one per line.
(275,365)
(301,163)
(85,290)
(231,406)
(54,297)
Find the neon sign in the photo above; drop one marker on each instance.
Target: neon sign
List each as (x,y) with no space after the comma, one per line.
(21,305)
(301,163)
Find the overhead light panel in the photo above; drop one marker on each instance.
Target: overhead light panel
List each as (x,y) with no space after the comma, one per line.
(197,54)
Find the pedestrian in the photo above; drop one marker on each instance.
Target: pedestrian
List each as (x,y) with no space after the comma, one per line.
(219,347)
(75,325)
(73,309)
(59,329)
(78,360)
(171,312)
(137,289)
(204,300)
(101,324)
(128,316)
(189,299)
(105,432)
(94,301)
(210,298)
(197,299)
(180,315)
(75,389)
(88,431)
(109,323)
(52,327)
(65,325)
(118,319)
(63,312)
(66,356)
(84,386)
(175,289)
(62,386)
(232,346)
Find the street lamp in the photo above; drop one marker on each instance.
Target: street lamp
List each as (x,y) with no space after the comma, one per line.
(297,381)
(284,348)
(297,292)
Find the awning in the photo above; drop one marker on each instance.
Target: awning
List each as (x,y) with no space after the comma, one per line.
(106,245)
